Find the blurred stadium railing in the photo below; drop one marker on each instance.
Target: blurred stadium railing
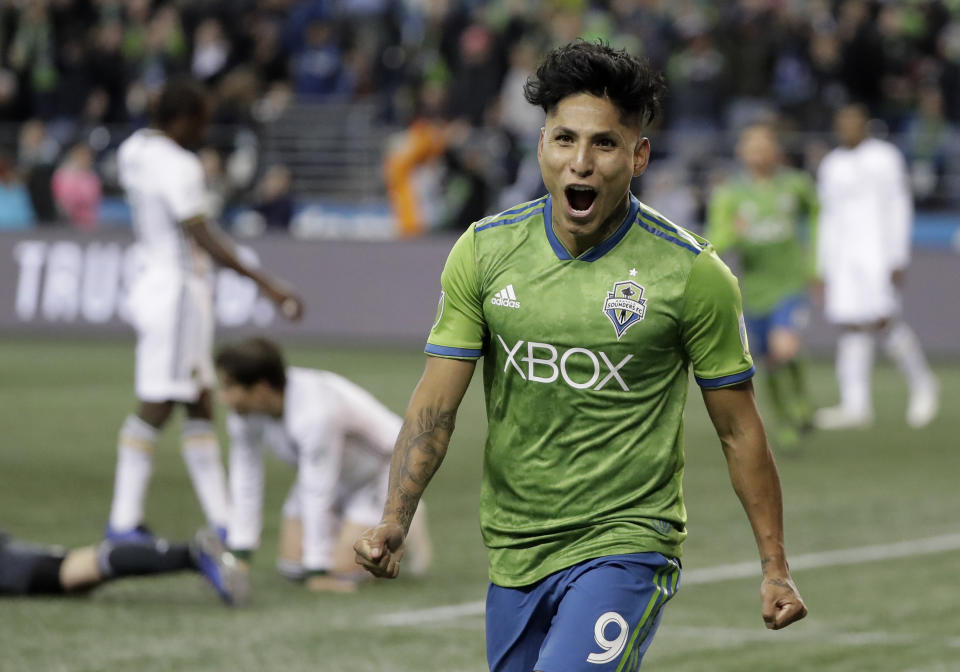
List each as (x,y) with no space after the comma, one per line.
(335,156)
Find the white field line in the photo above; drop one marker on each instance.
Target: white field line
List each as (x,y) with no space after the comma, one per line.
(713,637)
(739,570)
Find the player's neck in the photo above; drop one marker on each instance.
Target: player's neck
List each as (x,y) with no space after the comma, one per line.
(577,245)
(762,174)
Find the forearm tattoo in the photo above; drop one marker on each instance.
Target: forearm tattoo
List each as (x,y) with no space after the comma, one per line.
(420,449)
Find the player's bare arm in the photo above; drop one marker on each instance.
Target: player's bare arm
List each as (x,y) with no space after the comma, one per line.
(754,476)
(222,251)
(421,447)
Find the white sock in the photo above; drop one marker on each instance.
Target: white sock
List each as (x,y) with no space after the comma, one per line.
(903,347)
(854,364)
(135,449)
(201,453)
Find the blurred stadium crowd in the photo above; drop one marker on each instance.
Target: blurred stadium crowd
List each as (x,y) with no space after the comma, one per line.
(77,75)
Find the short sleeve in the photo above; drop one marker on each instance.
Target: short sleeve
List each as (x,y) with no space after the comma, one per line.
(459,330)
(183,189)
(712,326)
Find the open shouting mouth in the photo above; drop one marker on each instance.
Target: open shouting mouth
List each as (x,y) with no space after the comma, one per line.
(580,199)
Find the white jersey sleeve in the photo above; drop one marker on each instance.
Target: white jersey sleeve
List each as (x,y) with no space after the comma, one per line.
(321,442)
(899,219)
(246,482)
(182,188)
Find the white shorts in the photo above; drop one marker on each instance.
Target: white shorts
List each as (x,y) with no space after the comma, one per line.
(174,322)
(859,296)
(362,505)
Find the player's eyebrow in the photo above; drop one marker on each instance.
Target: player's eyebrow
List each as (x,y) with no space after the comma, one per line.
(598,135)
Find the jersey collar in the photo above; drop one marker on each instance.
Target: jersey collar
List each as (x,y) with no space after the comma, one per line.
(596,251)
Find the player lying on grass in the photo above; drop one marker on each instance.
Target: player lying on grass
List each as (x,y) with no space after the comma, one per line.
(337,436)
(589,309)
(29,569)
(171,303)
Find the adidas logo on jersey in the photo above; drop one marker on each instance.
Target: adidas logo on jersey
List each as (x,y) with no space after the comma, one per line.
(506,298)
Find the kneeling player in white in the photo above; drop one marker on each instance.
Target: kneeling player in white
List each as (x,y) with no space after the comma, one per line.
(172,307)
(338,437)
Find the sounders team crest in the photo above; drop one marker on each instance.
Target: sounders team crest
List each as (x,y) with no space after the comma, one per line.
(625,305)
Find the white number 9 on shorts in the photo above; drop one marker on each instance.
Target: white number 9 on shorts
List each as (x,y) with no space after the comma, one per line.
(611,647)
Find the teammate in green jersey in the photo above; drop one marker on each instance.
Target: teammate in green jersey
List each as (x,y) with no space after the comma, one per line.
(589,310)
(769,217)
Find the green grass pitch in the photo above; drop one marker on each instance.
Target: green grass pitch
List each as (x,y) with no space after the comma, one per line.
(62,403)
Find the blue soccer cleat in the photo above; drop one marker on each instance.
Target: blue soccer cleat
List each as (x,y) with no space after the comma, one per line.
(141,534)
(225,573)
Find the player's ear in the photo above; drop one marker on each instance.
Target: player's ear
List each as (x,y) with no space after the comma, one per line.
(641,156)
(543,130)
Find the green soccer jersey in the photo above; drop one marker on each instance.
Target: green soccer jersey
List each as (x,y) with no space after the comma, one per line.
(586,376)
(771,223)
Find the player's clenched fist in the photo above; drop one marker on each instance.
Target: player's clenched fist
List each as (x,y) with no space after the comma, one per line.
(380,549)
(782,604)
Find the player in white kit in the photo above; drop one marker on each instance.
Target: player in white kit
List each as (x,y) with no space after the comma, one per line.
(339,438)
(863,251)
(172,307)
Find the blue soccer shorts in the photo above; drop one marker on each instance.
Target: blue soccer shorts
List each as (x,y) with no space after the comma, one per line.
(598,616)
(792,313)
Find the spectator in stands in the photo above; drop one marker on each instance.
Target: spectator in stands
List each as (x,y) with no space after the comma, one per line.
(73,79)
(948,69)
(164,51)
(318,70)
(211,51)
(750,48)
(696,76)
(268,60)
(863,62)
(77,189)
(931,145)
(411,169)
(108,67)
(15,209)
(476,81)
(274,200)
(32,56)
(37,154)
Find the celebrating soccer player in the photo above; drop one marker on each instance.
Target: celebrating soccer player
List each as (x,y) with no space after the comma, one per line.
(589,309)
(172,306)
(768,216)
(339,438)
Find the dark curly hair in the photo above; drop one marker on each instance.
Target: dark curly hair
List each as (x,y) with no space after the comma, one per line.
(181,97)
(634,87)
(251,361)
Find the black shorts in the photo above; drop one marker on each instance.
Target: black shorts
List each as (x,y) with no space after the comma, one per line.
(28,568)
